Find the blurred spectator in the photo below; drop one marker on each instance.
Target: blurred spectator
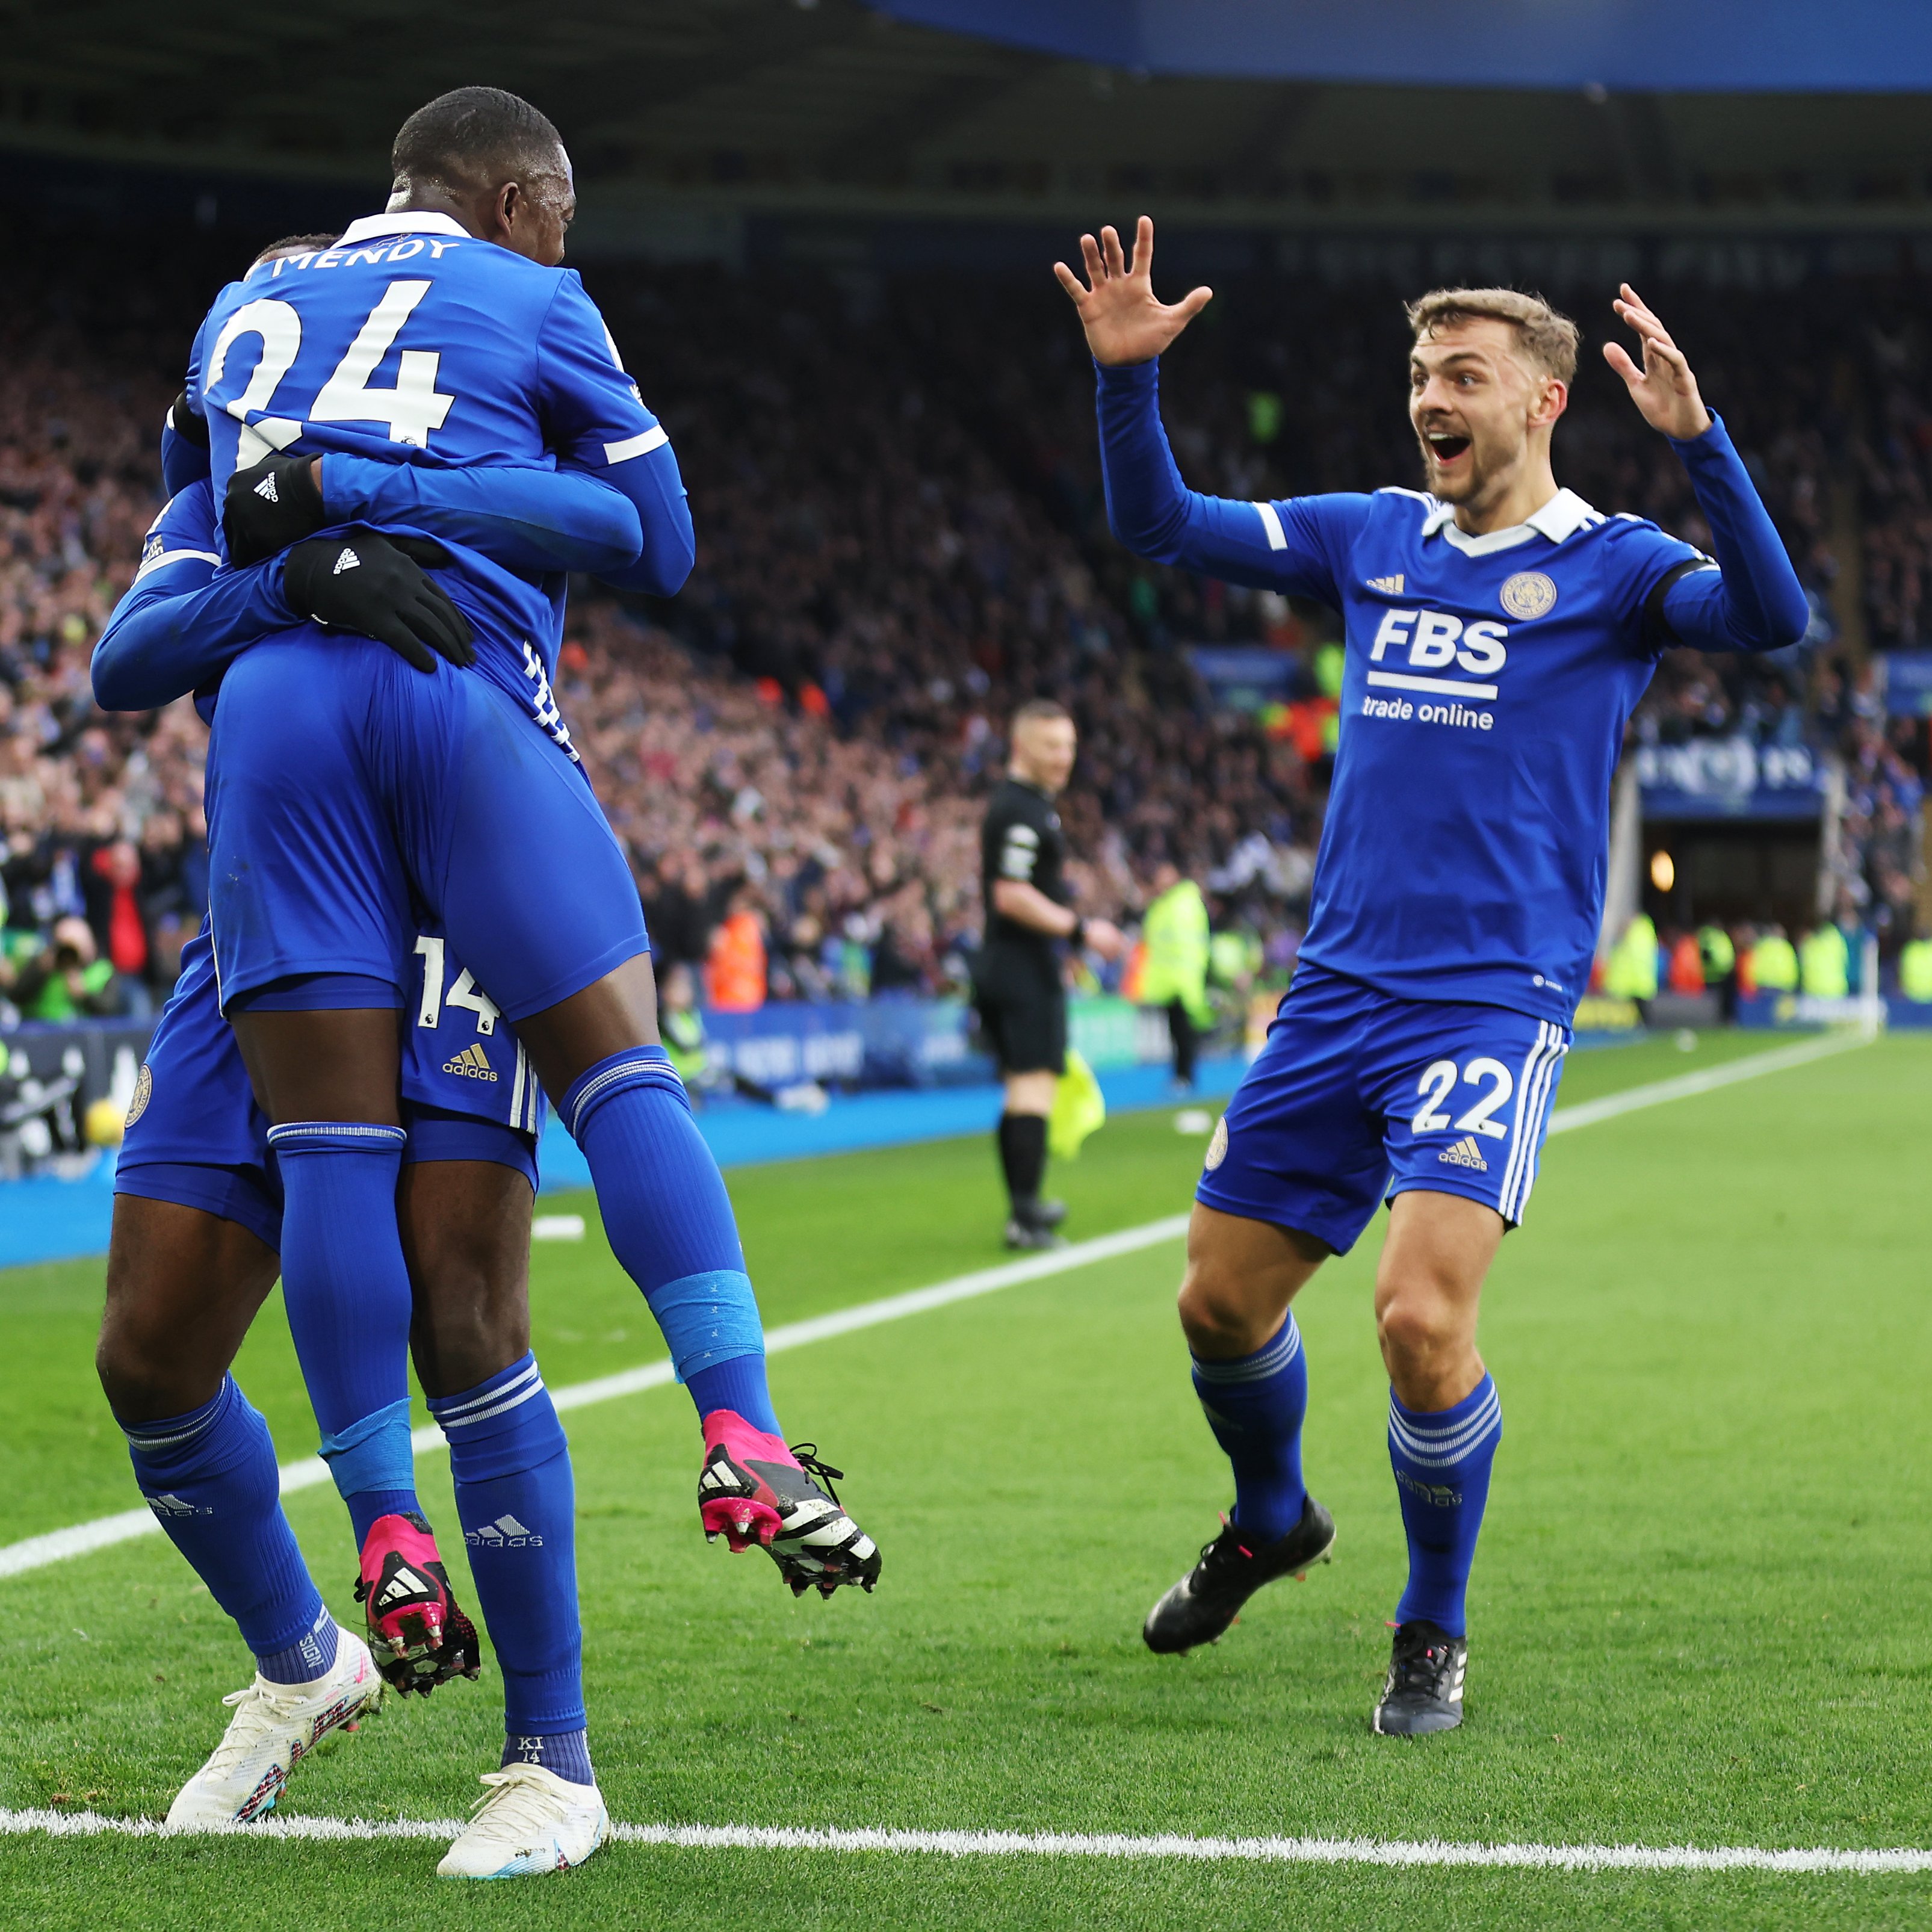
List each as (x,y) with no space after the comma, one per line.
(734,971)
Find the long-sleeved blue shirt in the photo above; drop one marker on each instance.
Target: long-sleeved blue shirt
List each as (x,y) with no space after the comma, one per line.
(411,343)
(186,616)
(1487,681)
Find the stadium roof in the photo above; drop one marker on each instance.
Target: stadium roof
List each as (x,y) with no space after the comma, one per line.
(1796,46)
(686,112)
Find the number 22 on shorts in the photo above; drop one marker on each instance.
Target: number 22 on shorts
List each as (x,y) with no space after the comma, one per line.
(1440,1078)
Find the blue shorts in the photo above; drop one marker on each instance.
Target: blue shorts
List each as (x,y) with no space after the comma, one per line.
(1358,1096)
(196,1136)
(349,795)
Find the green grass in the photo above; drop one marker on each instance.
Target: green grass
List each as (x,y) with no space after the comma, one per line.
(1698,1611)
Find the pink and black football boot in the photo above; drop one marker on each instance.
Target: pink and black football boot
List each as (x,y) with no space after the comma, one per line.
(417,1633)
(755,1491)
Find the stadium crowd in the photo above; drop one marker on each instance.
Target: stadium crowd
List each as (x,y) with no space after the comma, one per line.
(901,533)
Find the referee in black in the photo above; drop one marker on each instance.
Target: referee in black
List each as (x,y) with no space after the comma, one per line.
(1017,985)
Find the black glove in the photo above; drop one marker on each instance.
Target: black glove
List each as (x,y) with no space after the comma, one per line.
(375,586)
(183,421)
(269,505)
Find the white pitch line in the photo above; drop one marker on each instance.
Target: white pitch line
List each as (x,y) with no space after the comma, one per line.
(57,1546)
(1588,1113)
(1384,1852)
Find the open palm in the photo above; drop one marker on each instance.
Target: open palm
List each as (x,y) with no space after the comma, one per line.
(1124,321)
(1663,388)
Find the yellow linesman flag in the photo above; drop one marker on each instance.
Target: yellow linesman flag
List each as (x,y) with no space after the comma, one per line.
(1078,1107)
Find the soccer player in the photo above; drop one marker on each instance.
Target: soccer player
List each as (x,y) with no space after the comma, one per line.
(1016,982)
(346,789)
(197,1219)
(1499,630)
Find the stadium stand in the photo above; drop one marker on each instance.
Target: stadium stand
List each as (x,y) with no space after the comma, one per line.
(901,533)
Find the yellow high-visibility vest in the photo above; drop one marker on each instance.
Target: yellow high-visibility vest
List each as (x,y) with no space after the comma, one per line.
(1825,964)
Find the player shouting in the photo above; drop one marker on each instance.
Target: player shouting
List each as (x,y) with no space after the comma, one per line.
(1499,630)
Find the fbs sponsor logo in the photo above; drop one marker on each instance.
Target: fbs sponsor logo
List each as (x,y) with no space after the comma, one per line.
(1466,1154)
(472,1063)
(1390,586)
(505,1533)
(1438,1495)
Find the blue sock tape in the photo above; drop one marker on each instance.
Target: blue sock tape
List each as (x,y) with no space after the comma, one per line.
(372,1453)
(708,1319)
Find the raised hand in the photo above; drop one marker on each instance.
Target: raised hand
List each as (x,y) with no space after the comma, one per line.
(1124,321)
(1664,388)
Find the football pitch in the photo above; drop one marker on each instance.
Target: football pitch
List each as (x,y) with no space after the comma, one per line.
(1698,1618)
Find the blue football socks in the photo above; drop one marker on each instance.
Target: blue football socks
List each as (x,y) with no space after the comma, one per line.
(1254,1404)
(670,1223)
(347,1289)
(310,1656)
(565,1753)
(518,1504)
(1441,1461)
(210,1476)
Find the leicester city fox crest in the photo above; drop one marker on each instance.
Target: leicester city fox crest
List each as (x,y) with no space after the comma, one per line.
(144,1091)
(1529,593)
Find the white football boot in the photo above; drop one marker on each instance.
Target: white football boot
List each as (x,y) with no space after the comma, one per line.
(530,1821)
(274,1727)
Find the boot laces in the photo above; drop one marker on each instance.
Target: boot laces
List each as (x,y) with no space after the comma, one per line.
(805,1454)
(258,1710)
(515,1799)
(1420,1664)
(1222,1549)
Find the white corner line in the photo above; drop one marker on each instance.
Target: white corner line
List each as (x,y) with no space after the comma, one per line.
(56,1546)
(1384,1852)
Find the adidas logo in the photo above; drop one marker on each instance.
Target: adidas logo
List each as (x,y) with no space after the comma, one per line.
(348,560)
(266,490)
(505,1533)
(404,1583)
(472,1063)
(1466,1154)
(1392,585)
(1438,1495)
(171,1505)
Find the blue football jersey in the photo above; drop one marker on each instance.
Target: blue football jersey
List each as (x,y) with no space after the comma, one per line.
(1486,684)
(1488,680)
(411,340)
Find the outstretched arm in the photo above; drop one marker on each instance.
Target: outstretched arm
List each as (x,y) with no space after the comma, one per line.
(1288,545)
(1752,601)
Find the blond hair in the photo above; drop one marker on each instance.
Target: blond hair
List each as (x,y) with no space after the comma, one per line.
(1549,339)
(1041,710)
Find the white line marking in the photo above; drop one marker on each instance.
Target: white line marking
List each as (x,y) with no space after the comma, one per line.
(1052,1845)
(56,1546)
(1588,1113)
